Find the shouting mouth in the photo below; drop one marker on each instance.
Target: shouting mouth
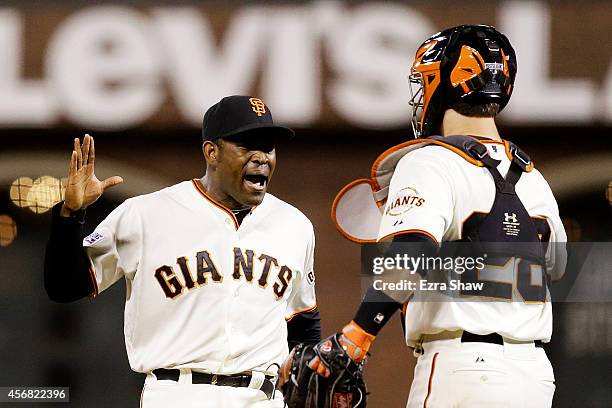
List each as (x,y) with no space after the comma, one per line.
(255,182)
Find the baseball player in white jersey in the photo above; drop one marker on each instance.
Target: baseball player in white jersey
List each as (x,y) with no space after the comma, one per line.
(478,342)
(219,273)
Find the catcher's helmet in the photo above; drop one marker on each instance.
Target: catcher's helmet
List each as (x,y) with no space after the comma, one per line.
(472,64)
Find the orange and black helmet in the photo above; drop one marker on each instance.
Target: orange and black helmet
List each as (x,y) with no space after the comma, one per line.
(472,64)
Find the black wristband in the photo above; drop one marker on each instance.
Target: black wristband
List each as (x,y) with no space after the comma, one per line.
(375,311)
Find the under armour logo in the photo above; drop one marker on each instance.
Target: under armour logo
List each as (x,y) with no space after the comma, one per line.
(511,224)
(258,106)
(510,217)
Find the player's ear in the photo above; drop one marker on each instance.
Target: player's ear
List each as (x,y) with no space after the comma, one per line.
(211,152)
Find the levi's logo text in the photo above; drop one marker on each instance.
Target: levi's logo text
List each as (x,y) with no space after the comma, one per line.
(258,106)
(405,200)
(179,279)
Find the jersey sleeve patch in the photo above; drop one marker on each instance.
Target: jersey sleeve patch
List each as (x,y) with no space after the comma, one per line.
(403,201)
(92,238)
(310,277)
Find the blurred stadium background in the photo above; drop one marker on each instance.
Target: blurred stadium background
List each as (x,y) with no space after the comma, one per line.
(139,75)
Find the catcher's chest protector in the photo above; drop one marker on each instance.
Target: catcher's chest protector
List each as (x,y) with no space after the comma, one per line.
(507,230)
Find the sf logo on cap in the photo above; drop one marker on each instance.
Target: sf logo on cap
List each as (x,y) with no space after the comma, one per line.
(258,106)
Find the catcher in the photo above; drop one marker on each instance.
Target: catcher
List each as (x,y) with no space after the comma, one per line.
(478,189)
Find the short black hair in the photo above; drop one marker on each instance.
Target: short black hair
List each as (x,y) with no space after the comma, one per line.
(487,110)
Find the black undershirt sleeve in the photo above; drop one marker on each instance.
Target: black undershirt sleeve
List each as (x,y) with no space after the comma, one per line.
(304,328)
(66,272)
(377,308)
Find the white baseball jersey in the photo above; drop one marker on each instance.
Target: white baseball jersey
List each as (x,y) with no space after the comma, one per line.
(203,292)
(434,190)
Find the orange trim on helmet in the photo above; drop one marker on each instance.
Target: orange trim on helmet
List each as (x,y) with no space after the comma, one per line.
(430,72)
(431,82)
(335,205)
(469,65)
(506,71)
(506,68)
(418,59)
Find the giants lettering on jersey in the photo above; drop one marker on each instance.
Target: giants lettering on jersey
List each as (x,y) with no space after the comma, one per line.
(405,200)
(207,271)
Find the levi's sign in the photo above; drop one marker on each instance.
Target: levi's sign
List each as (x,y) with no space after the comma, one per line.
(115,67)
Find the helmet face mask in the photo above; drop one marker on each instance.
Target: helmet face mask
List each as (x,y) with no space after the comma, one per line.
(424,81)
(417,95)
(468,64)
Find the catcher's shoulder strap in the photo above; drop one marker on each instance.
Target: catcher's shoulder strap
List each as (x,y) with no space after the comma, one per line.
(468,147)
(476,152)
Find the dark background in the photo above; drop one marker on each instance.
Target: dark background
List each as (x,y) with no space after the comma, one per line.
(81,345)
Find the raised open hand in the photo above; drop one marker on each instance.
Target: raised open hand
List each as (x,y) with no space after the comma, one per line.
(83,187)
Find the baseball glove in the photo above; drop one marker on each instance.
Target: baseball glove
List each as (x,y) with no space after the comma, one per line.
(344,388)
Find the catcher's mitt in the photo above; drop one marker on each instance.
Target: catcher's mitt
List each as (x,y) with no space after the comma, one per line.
(344,388)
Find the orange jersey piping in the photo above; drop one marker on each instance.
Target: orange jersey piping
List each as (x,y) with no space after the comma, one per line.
(430,383)
(200,188)
(305,310)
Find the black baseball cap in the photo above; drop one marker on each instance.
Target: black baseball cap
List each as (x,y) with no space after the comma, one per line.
(238,114)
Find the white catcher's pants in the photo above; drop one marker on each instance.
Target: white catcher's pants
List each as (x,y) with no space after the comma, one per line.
(451,374)
(183,394)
